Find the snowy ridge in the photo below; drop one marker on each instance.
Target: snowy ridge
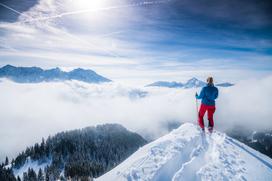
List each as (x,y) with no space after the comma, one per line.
(187,153)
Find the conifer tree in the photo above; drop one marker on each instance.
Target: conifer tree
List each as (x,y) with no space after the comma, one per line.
(6,161)
(40,175)
(18,178)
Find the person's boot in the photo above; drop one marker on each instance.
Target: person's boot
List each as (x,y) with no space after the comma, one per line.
(210,129)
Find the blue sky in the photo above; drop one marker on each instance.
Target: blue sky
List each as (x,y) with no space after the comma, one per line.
(139,40)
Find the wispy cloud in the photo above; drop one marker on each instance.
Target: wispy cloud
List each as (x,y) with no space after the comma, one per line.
(9,8)
(91,10)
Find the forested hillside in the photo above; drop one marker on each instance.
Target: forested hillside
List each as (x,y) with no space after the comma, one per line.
(83,153)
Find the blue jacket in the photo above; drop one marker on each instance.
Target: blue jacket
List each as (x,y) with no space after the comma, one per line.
(208,95)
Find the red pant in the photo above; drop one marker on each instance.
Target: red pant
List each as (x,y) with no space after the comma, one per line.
(201,113)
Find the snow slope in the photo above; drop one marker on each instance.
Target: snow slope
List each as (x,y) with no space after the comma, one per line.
(35,165)
(188,154)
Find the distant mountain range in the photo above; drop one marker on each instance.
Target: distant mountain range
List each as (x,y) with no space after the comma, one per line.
(166,84)
(36,75)
(191,83)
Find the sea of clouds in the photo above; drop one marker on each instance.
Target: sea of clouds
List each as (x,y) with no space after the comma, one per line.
(29,112)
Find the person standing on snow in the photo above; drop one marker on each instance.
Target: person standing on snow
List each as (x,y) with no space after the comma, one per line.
(208,95)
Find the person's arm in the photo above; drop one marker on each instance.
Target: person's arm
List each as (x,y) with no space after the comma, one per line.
(201,95)
(216,94)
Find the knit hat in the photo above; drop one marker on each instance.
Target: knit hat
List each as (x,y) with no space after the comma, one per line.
(210,80)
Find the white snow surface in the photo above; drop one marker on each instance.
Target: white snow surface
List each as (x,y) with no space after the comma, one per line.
(189,154)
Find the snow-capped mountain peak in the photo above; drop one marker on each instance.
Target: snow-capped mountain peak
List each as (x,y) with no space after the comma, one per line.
(37,74)
(194,82)
(188,154)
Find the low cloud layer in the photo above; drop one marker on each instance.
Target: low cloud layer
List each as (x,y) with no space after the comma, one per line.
(32,111)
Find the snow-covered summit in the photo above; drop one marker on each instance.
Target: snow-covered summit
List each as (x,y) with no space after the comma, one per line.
(188,154)
(194,82)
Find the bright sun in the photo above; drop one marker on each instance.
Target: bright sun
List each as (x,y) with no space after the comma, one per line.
(89,9)
(90,4)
